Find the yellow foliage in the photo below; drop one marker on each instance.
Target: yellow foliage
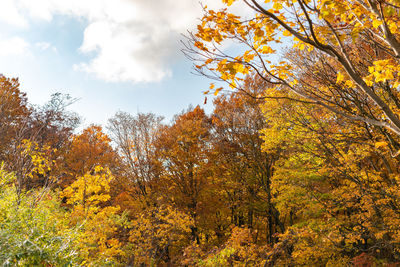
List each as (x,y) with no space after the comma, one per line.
(99,224)
(157,229)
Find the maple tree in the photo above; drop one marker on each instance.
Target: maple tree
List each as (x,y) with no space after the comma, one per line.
(239,249)
(28,131)
(182,149)
(86,151)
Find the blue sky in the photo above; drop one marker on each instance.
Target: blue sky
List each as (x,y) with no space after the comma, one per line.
(111,54)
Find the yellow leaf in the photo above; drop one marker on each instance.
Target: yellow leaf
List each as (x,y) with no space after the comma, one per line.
(248,57)
(376,23)
(267,50)
(217,91)
(286,33)
(228,2)
(259,33)
(340,77)
(277,6)
(381,144)
(208,61)
(392,26)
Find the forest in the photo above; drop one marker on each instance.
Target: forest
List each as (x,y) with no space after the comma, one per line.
(296,165)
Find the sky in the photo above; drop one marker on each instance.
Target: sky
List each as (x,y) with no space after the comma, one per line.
(113,55)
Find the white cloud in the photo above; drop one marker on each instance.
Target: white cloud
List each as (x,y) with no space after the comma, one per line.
(14,46)
(43,45)
(130,40)
(126,53)
(10,13)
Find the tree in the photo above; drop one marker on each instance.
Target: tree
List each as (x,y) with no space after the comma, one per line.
(46,128)
(240,249)
(332,184)
(335,117)
(246,170)
(87,150)
(87,197)
(331,31)
(158,235)
(182,149)
(135,139)
(13,113)
(14,119)
(52,124)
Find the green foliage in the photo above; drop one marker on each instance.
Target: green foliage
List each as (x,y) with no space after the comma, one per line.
(220,259)
(33,230)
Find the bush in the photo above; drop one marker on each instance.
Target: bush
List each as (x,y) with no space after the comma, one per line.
(33,230)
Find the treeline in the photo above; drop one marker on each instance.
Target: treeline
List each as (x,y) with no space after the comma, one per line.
(255,183)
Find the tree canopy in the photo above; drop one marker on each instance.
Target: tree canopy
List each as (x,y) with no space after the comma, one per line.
(296,165)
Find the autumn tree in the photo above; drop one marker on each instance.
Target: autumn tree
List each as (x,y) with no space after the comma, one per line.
(182,149)
(158,235)
(14,112)
(14,120)
(99,223)
(48,127)
(337,88)
(246,170)
(52,123)
(332,30)
(332,180)
(87,150)
(240,249)
(135,139)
